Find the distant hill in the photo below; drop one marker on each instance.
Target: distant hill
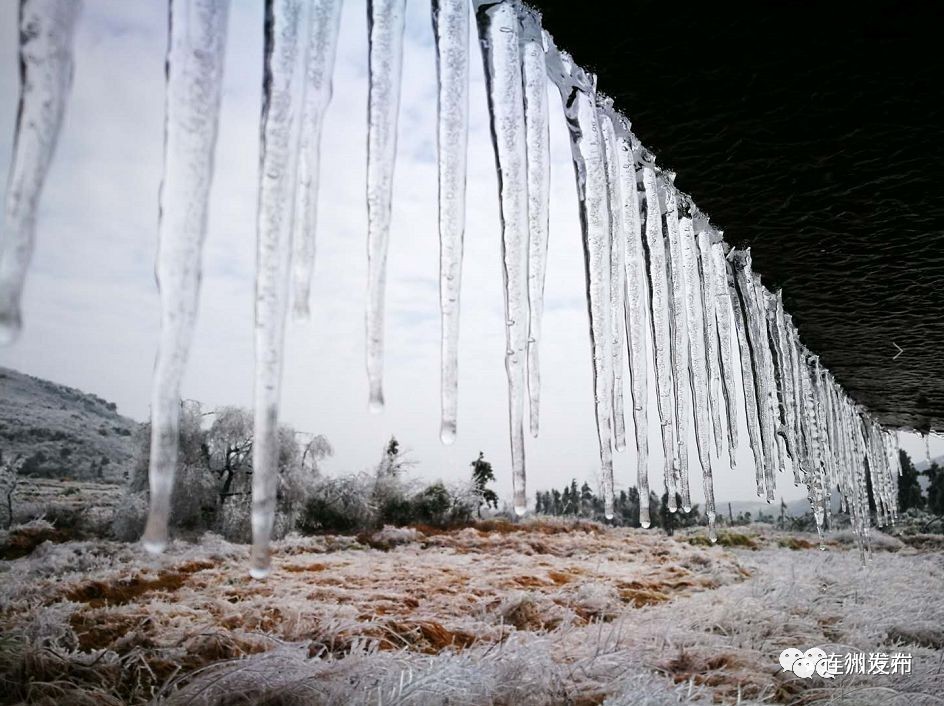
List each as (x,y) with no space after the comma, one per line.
(61,431)
(795,508)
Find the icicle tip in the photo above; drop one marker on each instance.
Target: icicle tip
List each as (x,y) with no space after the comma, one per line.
(153,546)
(447,434)
(259,573)
(376,404)
(10,326)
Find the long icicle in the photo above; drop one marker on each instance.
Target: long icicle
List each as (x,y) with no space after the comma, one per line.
(785,368)
(385,21)
(195,55)
(451,29)
(679,339)
(721,298)
(537,130)
(773,417)
(698,364)
(661,323)
(635,306)
(273,263)
(748,375)
(498,35)
(46,65)
(708,283)
(323,23)
(617,276)
(587,145)
(756,329)
(792,341)
(777,382)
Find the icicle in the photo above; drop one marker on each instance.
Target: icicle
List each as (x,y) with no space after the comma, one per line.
(698,364)
(588,151)
(782,374)
(770,422)
(760,356)
(722,306)
(617,278)
(323,23)
(749,382)
(385,21)
(498,35)
(708,280)
(785,363)
(451,28)
(679,341)
(46,30)
(537,130)
(273,263)
(792,349)
(636,304)
(192,105)
(661,324)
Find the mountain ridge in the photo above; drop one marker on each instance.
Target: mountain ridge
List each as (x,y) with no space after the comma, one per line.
(63,432)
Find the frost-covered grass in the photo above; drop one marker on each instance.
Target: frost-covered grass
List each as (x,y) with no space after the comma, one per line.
(540,612)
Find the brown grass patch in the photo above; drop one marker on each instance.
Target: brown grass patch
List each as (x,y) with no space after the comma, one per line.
(560,577)
(640,596)
(795,543)
(298,569)
(99,631)
(120,591)
(728,675)
(527,616)
(21,541)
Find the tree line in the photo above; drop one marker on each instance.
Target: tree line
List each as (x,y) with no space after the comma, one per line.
(910,493)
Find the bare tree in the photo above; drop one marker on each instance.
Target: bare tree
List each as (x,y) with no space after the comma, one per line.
(229,449)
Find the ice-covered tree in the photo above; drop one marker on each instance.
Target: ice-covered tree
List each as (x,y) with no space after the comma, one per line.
(482,475)
(9,474)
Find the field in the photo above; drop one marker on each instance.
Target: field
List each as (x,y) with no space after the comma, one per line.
(539,612)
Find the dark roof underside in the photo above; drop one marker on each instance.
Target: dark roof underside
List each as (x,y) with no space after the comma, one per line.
(814,134)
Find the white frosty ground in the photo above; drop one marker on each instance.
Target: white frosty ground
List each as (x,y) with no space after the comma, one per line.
(523,614)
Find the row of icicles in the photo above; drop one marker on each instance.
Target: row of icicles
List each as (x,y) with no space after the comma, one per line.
(655,265)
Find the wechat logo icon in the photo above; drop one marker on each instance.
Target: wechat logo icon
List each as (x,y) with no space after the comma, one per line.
(806,664)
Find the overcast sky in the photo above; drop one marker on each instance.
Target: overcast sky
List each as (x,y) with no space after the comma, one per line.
(91,306)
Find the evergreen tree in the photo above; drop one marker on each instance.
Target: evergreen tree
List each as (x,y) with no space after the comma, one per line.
(935,475)
(482,475)
(586,499)
(909,490)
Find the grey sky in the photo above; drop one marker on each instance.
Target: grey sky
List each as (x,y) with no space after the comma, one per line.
(91,304)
